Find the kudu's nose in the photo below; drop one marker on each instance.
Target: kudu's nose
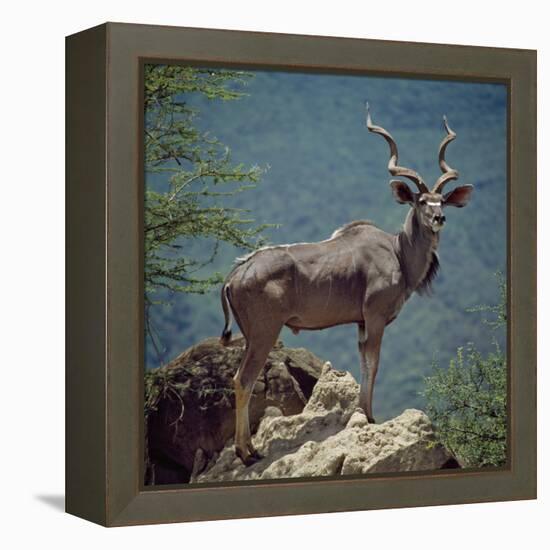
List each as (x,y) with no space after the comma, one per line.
(439,219)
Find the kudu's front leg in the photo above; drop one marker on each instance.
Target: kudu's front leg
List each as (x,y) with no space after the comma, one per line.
(369,343)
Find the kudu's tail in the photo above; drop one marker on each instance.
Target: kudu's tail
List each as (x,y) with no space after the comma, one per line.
(225,338)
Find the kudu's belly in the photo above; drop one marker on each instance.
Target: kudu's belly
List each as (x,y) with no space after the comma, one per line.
(325,306)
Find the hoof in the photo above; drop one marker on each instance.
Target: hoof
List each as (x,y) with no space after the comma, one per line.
(371,420)
(254,453)
(251,456)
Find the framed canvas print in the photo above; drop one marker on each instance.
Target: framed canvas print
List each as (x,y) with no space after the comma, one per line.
(301,274)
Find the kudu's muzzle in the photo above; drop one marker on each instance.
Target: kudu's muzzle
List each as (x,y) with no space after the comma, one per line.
(437,222)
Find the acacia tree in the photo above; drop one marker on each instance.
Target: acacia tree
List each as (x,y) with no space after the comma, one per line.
(467,401)
(188,174)
(189,180)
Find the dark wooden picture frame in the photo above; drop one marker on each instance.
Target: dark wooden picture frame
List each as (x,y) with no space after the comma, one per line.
(104,369)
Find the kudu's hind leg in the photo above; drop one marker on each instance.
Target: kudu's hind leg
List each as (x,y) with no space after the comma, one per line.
(253,361)
(369,344)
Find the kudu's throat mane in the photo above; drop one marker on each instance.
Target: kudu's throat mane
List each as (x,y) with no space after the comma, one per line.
(425,286)
(417,254)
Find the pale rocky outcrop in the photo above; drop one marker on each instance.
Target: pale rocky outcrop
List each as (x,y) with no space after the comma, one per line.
(304,417)
(331,437)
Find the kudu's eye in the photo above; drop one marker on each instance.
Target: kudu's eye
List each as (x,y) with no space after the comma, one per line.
(422,201)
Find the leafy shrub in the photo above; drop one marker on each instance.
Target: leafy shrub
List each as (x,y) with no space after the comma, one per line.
(468,400)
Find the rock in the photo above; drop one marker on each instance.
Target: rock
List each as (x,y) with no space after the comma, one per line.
(304,414)
(332,436)
(199,463)
(190,403)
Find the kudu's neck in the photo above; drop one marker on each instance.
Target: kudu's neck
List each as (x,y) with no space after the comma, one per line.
(416,247)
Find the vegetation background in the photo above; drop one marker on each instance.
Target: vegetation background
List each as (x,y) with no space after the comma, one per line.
(321,168)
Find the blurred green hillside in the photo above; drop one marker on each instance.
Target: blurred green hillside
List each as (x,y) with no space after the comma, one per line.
(326,169)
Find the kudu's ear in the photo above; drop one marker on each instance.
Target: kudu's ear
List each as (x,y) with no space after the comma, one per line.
(402,192)
(459,196)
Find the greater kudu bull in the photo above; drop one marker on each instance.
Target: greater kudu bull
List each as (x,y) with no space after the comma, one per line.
(361,275)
